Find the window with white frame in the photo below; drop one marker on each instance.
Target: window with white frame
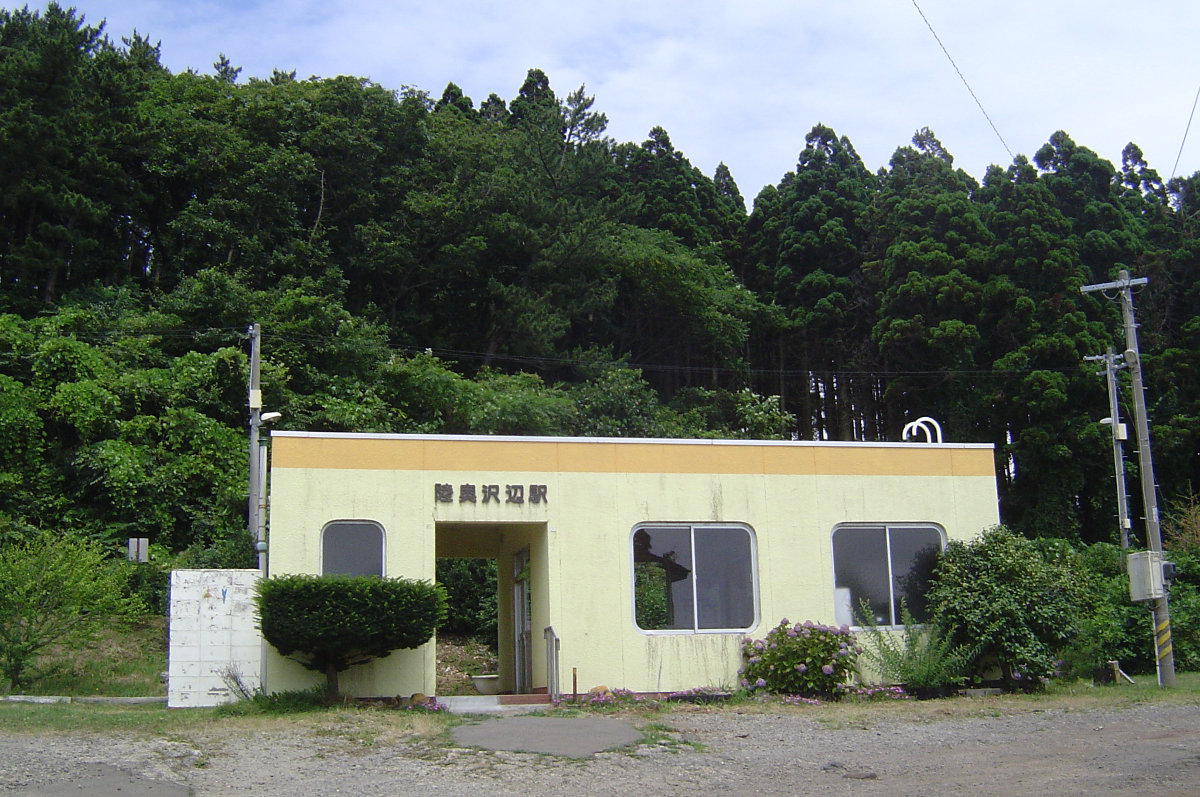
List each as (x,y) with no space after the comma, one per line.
(693,577)
(882,565)
(352,548)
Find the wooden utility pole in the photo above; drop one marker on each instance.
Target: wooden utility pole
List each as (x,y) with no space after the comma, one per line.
(1162,615)
(1118,436)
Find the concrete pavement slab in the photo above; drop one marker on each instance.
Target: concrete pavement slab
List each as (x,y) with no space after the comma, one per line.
(485,704)
(572,737)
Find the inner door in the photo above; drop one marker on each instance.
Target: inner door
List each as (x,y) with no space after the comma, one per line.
(522,623)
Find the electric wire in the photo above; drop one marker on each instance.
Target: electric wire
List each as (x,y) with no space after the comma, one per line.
(963,79)
(308,339)
(1185,135)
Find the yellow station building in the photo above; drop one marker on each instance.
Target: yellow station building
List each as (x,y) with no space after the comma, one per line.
(638,564)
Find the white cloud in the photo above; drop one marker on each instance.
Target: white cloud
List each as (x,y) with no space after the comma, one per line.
(744,82)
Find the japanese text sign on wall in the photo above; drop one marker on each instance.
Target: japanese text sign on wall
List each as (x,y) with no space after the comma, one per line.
(490,493)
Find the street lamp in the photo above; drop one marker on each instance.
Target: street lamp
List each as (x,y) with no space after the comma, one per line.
(256,510)
(260,497)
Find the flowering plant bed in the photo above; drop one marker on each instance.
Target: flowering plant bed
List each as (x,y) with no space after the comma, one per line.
(804,659)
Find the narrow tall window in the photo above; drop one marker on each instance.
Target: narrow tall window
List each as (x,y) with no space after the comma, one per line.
(352,548)
(880,566)
(697,578)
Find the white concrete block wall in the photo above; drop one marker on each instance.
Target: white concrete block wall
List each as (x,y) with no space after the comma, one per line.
(212,631)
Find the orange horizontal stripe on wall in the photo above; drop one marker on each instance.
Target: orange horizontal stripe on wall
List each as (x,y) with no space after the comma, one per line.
(559,455)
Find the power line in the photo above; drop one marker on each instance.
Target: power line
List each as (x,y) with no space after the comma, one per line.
(963,79)
(1185,135)
(306,339)
(705,369)
(549,361)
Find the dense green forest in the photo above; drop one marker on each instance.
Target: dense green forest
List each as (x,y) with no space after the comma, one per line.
(425,263)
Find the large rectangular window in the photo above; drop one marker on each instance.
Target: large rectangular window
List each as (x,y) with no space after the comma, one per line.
(880,565)
(697,578)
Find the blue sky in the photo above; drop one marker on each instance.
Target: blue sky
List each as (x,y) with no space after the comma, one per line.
(744,82)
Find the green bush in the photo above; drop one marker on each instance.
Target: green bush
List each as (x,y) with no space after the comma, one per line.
(1113,628)
(151,584)
(1015,606)
(55,590)
(920,657)
(470,586)
(801,659)
(333,622)
(1185,611)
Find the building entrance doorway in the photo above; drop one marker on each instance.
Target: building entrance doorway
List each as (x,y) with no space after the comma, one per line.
(521,599)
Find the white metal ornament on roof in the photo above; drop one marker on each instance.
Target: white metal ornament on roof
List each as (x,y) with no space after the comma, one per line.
(931,428)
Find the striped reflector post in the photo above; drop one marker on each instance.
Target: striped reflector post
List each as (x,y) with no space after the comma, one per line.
(1164,655)
(1162,639)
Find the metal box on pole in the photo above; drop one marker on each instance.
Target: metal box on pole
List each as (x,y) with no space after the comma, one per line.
(1146,576)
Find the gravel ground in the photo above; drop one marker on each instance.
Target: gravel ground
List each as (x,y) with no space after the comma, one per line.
(1142,750)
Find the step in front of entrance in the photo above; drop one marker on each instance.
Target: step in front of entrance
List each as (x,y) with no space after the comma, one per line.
(524,700)
(493,704)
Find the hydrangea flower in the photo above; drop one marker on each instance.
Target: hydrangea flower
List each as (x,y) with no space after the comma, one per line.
(827,669)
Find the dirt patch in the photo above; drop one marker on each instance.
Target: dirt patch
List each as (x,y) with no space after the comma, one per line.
(458,658)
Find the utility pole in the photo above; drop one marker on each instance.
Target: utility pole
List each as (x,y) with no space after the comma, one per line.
(255,462)
(1162,616)
(1119,435)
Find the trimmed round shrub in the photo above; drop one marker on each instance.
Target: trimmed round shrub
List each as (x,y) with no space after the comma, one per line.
(333,622)
(801,659)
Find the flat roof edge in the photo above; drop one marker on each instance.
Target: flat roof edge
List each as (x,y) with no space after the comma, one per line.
(625,440)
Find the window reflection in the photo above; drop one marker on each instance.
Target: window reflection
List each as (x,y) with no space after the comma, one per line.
(880,567)
(662,561)
(693,578)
